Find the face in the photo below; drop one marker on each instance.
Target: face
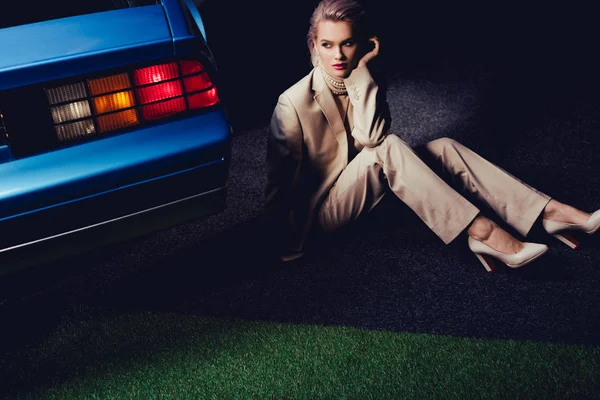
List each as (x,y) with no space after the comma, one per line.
(336,47)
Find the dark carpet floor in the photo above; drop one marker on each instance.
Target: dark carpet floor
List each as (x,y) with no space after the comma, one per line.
(538,119)
(386,271)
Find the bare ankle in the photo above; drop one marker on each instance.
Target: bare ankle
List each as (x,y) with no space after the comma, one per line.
(488,232)
(561,212)
(551,209)
(481,228)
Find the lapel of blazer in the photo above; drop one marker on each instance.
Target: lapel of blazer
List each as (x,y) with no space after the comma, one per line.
(325,100)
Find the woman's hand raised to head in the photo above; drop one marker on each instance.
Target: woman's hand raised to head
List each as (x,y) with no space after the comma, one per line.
(371,54)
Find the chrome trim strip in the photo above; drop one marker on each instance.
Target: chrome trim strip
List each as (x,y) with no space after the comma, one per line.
(110,220)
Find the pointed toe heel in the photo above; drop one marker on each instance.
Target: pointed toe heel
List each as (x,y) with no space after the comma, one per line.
(487,255)
(566,232)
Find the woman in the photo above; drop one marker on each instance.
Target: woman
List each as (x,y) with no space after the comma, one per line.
(330,158)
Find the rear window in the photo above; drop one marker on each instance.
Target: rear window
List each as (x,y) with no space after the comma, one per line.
(27,12)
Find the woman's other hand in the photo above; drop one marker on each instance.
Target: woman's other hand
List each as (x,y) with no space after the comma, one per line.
(371,54)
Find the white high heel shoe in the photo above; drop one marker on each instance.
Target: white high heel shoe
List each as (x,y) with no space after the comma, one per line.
(557,229)
(484,253)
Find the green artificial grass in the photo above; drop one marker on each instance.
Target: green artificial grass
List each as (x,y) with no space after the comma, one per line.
(165,356)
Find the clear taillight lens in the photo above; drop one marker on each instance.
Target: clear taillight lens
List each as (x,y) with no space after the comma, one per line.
(71,111)
(66,93)
(75,130)
(127,99)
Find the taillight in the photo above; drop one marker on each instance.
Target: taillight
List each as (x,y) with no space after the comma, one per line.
(156,73)
(163,109)
(159,91)
(203,99)
(109,84)
(127,99)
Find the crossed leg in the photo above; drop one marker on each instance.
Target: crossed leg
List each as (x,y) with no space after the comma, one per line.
(517,203)
(394,166)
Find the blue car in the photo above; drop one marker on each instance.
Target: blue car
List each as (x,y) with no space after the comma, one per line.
(111,125)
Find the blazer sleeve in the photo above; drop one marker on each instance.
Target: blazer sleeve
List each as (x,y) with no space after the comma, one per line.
(284,157)
(372,118)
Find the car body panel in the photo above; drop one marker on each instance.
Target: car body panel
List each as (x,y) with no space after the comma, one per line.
(184,40)
(176,19)
(112,204)
(196,17)
(53,49)
(5,154)
(91,237)
(81,170)
(114,186)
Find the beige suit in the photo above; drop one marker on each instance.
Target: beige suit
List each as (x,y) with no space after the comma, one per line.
(309,176)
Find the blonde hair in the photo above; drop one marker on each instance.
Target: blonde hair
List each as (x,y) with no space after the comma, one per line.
(333,10)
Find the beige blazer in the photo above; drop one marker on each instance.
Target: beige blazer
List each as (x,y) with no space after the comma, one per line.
(308,147)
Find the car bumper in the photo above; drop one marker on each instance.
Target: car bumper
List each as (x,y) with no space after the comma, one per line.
(78,198)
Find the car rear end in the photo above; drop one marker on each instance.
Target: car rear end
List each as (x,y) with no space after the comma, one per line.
(111,127)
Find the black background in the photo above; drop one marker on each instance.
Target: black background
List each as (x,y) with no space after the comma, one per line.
(388,271)
(534,52)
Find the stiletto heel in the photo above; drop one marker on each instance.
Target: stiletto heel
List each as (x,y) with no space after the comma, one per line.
(569,240)
(485,254)
(559,229)
(487,262)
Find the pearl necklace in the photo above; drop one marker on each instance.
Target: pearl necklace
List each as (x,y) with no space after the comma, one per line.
(337,86)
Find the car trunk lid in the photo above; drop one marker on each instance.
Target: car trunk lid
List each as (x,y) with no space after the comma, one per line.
(56,49)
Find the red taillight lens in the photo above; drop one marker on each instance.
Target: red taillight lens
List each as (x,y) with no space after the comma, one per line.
(109,103)
(163,109)
(158,92)
(196,83)
(189,67)
(155,74)
(203,99)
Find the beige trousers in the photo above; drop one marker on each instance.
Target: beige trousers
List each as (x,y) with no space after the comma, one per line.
(394,166)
